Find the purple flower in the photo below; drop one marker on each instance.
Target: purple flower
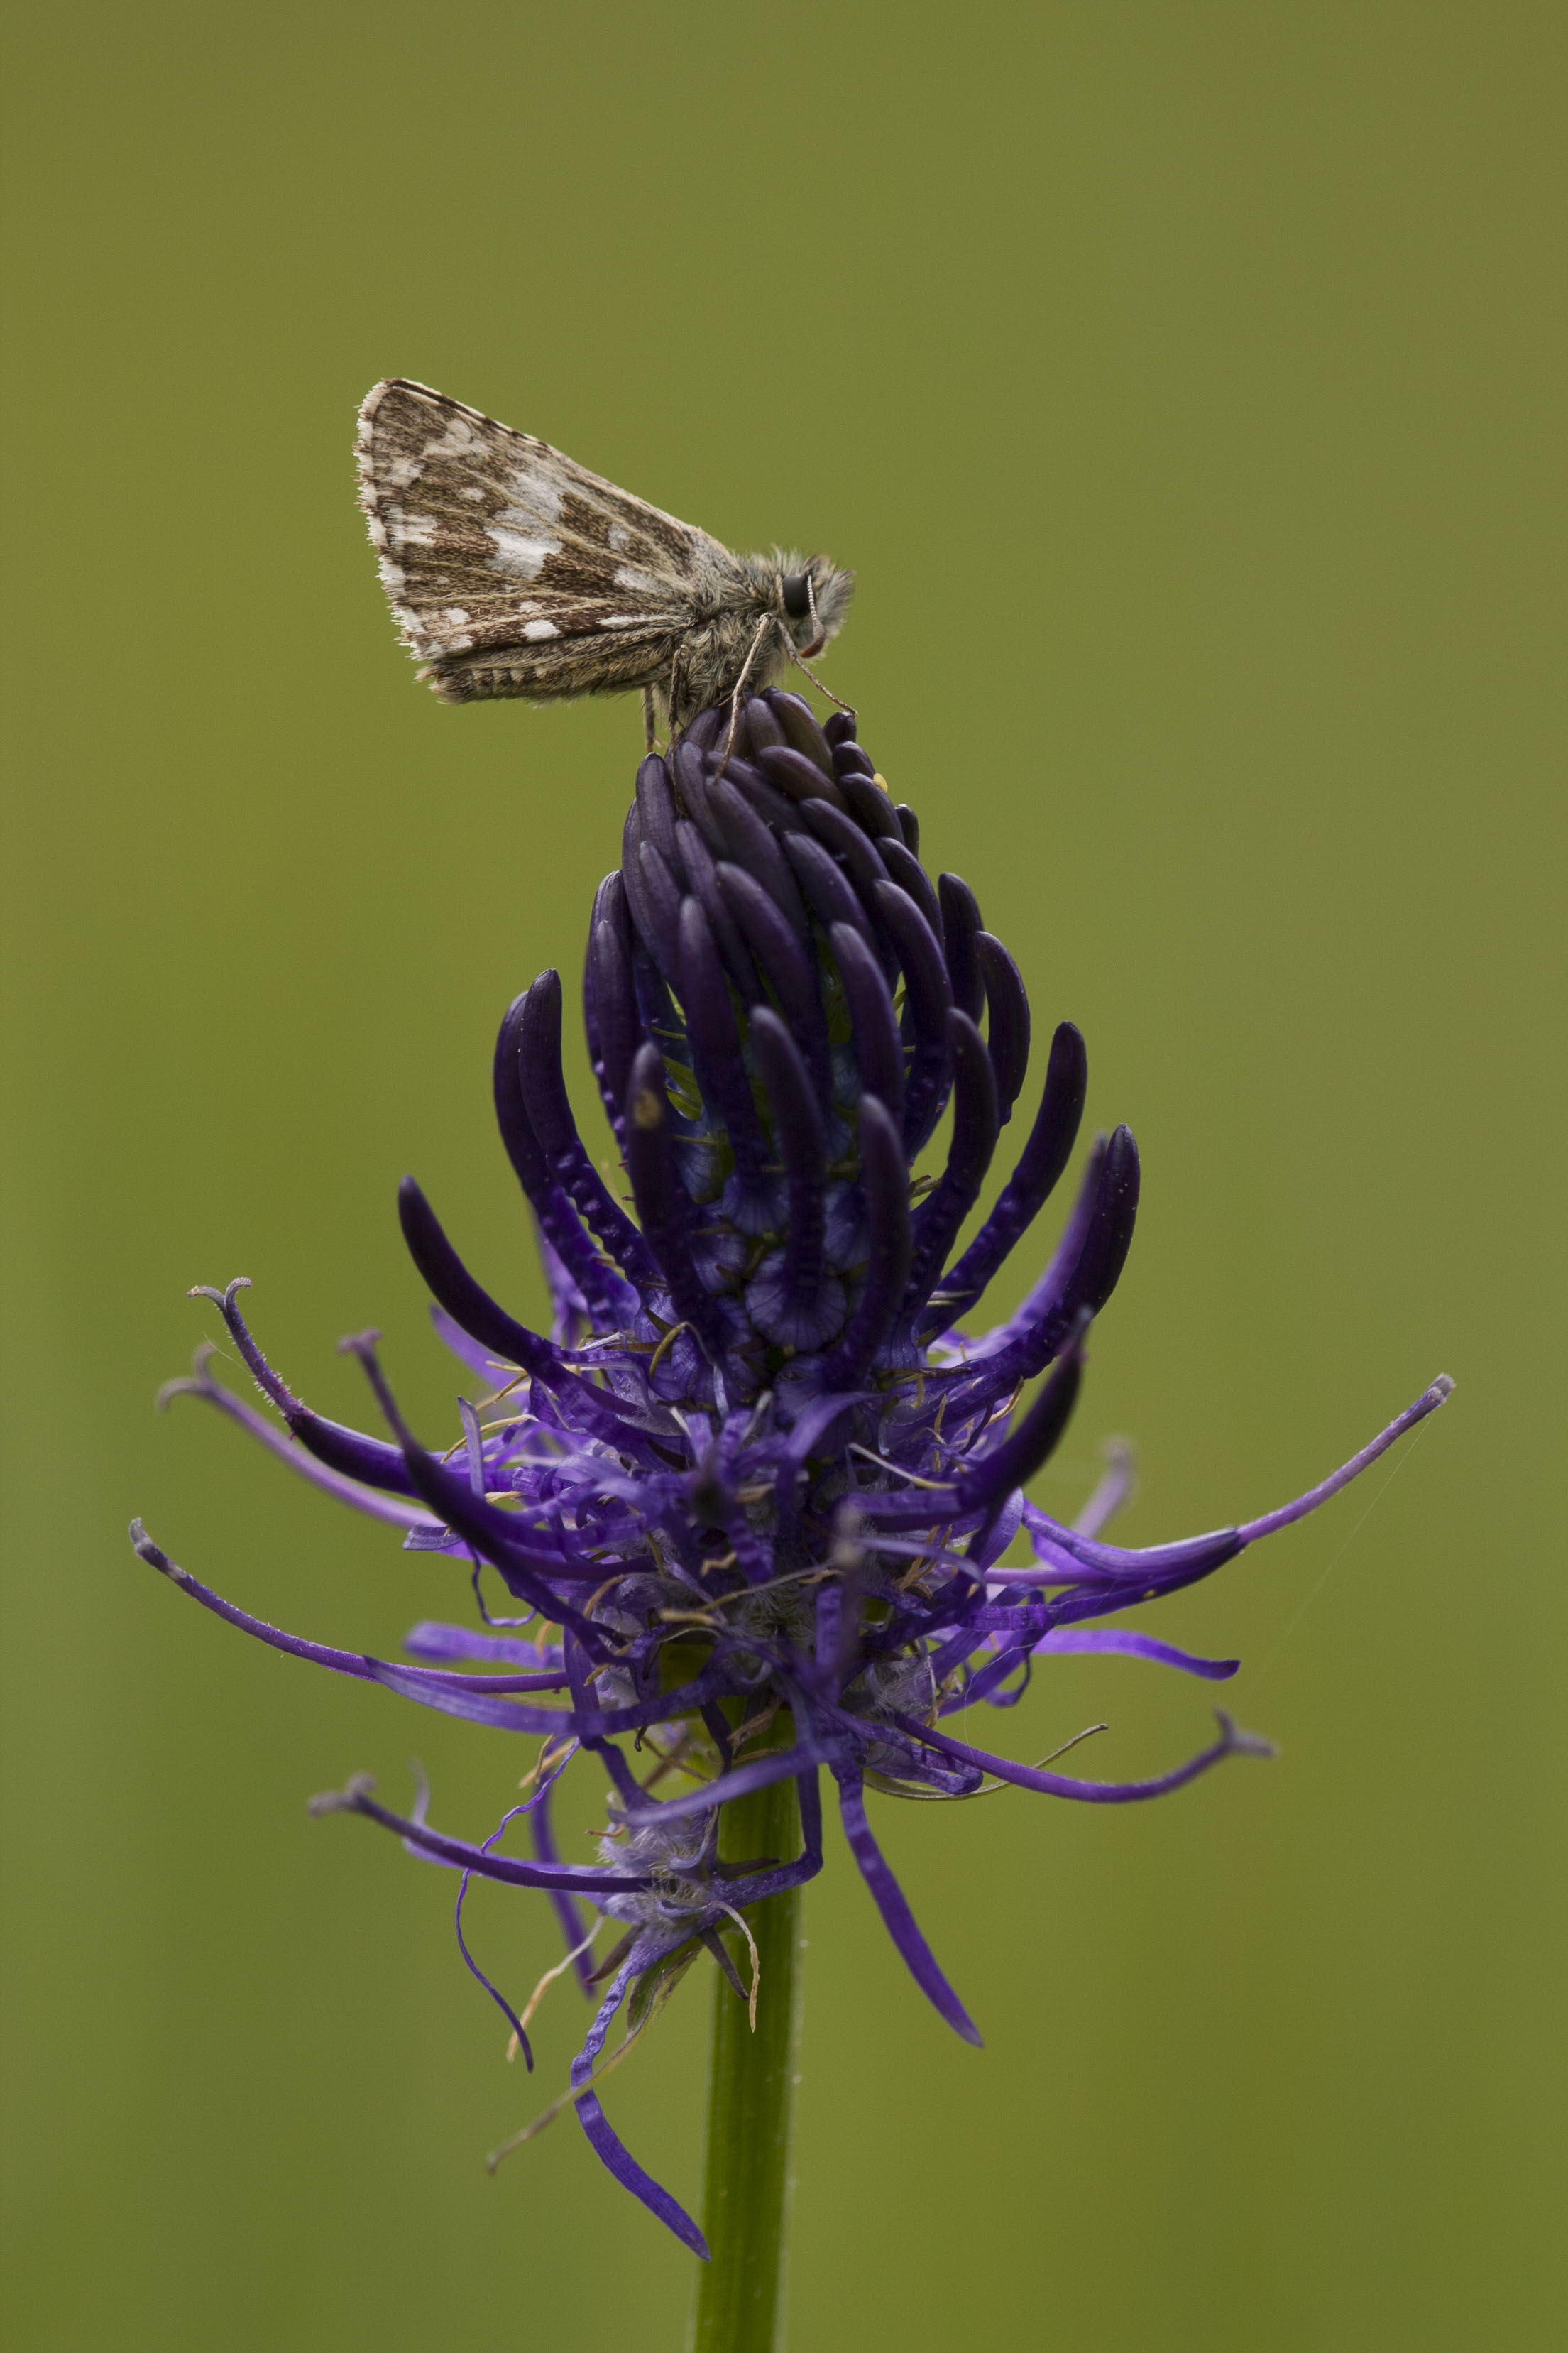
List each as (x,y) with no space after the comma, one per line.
(751,1494)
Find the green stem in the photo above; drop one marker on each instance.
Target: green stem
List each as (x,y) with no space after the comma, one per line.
(750,2094)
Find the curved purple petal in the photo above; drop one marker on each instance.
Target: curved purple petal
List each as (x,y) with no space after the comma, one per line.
(1231,1743)
(1064,1642)
(893,1906)
(606,2145)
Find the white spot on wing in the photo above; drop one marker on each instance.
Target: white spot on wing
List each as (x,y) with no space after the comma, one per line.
(538,499)
(642,584)
(411,530)
(518,554)
(540,629)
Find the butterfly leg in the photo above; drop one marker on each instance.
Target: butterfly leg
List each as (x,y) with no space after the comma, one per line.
(649,730)
(764,625)
(827,690)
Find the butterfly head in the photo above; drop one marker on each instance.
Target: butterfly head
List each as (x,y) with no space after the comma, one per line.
(813,596)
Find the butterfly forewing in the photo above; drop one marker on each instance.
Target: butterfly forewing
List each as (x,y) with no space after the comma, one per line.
(510,569)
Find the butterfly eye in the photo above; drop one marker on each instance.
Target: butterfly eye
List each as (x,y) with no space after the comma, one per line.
(796,596)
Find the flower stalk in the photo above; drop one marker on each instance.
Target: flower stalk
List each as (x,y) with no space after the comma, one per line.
(751,2098)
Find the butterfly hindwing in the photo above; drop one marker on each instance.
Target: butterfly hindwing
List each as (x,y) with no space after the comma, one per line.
(510,569)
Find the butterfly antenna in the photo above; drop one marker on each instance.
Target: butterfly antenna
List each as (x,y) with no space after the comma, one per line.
(817,639)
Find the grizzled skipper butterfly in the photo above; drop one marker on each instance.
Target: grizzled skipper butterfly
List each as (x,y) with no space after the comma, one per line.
(513,572)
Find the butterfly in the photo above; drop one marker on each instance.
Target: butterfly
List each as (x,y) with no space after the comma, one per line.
(512,571)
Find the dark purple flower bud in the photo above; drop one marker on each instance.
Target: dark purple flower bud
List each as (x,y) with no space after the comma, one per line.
(885,1184)
(788,968)
(691,783)
(799,724)
(1109,1236)
(750,845)
(792,1298)
(706,729)
(615,1019)
(838,831)
(1040,1165)
(702,876)
(644,915)
(911,876)
(774,808)
(664,1207)
(1009,1023)
(826,888)
(656,908)
(761,727)
(849,760)
(550,1197)
(928,1002)
(874,1025)
(798,776)
(959,930)
(872,808)
(715,1038)
(547,1108)
(656,805)
(975,1127)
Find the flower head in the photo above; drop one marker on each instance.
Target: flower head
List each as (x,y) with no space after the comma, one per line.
(753,1494)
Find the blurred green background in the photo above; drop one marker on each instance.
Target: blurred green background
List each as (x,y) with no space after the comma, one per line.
(1186,385)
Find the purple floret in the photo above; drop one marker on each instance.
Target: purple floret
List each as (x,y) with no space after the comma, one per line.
(750,1497)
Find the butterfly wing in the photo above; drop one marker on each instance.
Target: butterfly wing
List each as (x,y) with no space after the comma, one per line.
(510,570)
